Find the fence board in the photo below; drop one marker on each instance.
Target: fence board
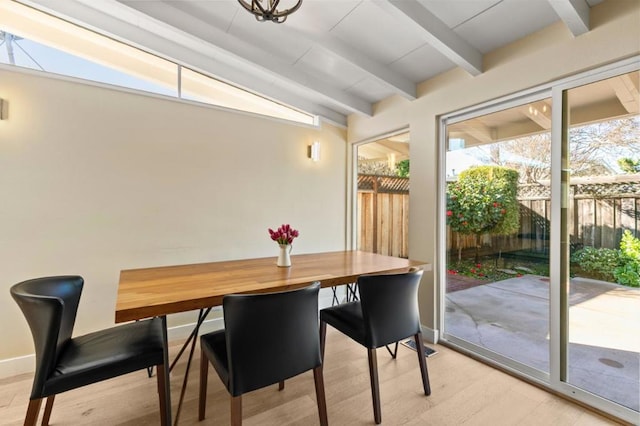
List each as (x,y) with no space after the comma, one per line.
(384,228)
(607,223)
(629,214)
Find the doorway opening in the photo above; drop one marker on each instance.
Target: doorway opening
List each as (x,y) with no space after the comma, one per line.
(382,207)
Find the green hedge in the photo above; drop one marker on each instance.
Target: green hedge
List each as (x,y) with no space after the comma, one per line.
(619,266)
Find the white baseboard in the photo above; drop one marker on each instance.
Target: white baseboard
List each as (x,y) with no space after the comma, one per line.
(19,365)
(27,363)
(429,334)
(183,331)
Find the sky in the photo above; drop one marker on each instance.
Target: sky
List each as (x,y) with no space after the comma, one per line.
(30,54)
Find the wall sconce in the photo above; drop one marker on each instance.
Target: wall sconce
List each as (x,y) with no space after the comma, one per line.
(314,151)
(1,109)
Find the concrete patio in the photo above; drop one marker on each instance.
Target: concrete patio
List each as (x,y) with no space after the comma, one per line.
(511,317)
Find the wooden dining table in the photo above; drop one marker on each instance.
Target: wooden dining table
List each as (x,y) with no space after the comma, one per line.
(164,290)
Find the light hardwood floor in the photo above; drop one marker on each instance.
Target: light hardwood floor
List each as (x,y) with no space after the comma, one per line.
(464,391)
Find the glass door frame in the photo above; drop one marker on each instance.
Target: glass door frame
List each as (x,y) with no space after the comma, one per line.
(505,104)
(558,286)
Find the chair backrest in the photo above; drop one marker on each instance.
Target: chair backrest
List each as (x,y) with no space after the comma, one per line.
(389,307)
(49,305)
(271,337)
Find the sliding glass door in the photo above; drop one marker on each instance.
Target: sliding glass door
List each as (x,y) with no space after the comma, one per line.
(601,227)
(540,236)
(498,168)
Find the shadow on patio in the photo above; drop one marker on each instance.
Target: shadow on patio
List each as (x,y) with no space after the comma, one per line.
(511,317)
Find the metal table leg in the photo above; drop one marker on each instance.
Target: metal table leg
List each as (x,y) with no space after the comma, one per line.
(335,300)
(352,292)
(192,338)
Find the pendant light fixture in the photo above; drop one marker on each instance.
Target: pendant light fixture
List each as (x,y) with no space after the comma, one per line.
(266,10)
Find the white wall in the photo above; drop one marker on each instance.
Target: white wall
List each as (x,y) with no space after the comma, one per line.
(95,180)
(548,55)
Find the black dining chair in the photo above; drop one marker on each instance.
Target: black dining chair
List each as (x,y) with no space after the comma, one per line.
(386,313)
(267,339)
(64,362)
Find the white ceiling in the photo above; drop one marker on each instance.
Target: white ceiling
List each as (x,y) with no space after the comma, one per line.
(331,57)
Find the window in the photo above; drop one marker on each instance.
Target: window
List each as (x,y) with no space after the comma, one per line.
(33,39)
(201,88)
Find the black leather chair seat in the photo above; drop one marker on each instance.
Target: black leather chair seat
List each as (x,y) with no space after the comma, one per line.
(64,363)
(347,318)
(215,346)
(105,354)
(268,338)
(386,313)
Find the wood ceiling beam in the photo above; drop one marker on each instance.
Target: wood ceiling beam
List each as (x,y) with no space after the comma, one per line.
(539,113)
(377,71)
(475,128)
(574,14)
(606,110)
(436,33)
(626,92)
(377,151)
(397,147)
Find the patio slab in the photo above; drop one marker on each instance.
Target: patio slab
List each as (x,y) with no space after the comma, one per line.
(511,317)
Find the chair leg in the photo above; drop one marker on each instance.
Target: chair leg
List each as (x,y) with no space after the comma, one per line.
(423,364)
(323,337)
(47,410)
(165,372)
(320,396)
(375,386)
(236,410)
(162,395)
(32,412)
(204,373)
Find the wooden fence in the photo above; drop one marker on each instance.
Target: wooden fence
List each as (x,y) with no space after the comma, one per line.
(600,210)
(383,215)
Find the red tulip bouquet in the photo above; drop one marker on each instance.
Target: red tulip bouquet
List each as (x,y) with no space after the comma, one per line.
(284,235)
